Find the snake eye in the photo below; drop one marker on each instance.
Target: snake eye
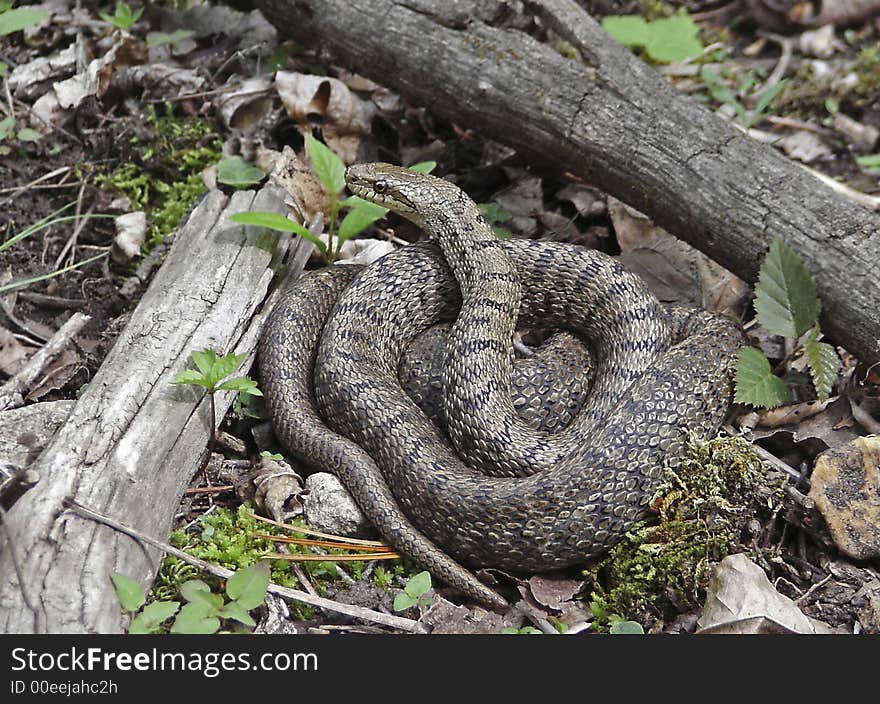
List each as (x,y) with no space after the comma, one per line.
(380,187)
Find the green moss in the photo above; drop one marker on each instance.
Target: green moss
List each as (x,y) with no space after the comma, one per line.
(701,506)
(229,538)
(164,178)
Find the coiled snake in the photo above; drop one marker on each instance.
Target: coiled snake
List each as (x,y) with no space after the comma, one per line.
(329,368)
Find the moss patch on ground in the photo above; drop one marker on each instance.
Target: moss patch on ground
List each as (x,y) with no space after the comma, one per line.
(231,538)
(165,178)
(662,567)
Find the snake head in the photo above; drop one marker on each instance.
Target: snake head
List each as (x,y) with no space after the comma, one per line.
(402,190)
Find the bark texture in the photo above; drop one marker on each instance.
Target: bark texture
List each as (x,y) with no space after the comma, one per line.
(613,120)
(133,440)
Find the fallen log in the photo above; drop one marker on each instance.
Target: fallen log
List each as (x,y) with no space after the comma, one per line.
(614,121)
(134,440)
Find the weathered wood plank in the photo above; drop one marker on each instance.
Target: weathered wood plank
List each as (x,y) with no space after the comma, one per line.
(134,440)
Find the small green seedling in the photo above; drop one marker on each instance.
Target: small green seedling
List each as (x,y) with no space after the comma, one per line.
(204,611)
(524,631)
(124,17)
(786,304)
(212,370)
(331,171)
(235,171)
(723,94)
(416,587)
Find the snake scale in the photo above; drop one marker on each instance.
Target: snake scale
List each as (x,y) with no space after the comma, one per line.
(329,368)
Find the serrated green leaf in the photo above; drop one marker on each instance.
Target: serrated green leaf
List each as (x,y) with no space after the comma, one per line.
(242,384)
(21,18)
(629,30)
(130,592)
(226,365)
(626,628)
(190,376)
(673,39)
(756,385)
(823,362)
(248,586)
(786,302)
(275,221)
(153,615)
(327,165)
(195,618)
(237,612)
(418,584)
(205,360)
(235,171)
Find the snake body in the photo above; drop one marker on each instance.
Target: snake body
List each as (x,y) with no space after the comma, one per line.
(329,367)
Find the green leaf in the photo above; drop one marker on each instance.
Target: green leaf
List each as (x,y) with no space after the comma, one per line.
(26,134)
(205,361)
(629,30)
(356,221)
(403,601)
(767,98)
(195,618)
(327,165)
(196,592)
(248,586)
(4,69)
(823,362)
(153,615)
(237,612)
(155,39)
(191,376)
(756,384)
(494,213)
(626,628)
(418,584)
(21,18)
(276,221)
(226,365)
(424,167)
(869,163)
(786,302)
(722,93)
(130,592)
(242,384)
(235,171)
(673,39)
(7,124)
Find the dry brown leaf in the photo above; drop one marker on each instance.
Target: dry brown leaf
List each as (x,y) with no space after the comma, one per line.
(12,353)
(675,271)
(345,117)
(740,599)
(247,104)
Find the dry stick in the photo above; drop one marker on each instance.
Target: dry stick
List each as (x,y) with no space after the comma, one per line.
(79,224)
(404,624)
(18,190)
(11,393)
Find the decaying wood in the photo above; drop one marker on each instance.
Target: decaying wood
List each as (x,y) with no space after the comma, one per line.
(616,122)
(133,441)
(13,391)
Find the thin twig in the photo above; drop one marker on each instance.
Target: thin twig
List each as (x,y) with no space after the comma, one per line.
(404,624)
(11,393)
